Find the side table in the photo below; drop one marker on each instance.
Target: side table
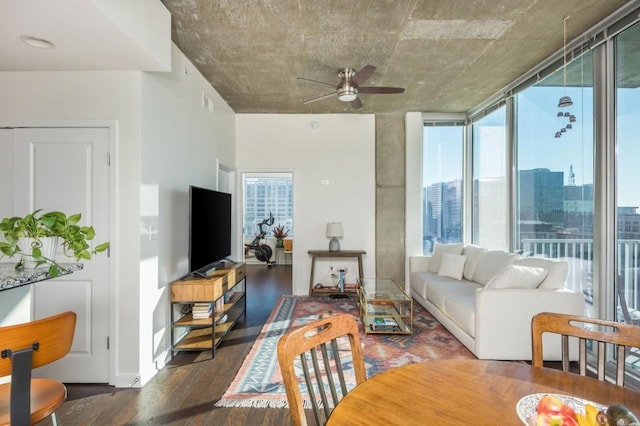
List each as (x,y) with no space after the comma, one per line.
(384,307)
(331,254)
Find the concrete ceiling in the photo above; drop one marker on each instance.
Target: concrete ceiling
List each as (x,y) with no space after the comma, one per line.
(449,55)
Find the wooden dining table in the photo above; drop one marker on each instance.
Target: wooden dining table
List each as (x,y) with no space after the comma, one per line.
(465,392)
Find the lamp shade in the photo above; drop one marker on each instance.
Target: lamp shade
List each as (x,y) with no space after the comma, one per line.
(334,230)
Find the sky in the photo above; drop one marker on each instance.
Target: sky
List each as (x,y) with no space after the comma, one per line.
(538,148)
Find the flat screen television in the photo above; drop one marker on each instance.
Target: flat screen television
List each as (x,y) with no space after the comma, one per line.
(209,229)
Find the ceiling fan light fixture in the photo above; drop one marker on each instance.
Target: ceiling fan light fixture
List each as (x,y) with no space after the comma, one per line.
(347,93)
(350,86)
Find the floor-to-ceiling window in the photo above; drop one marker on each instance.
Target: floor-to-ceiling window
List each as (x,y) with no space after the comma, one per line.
(489,191)
(627,83)
(442,166)
(554,171)
(561,182)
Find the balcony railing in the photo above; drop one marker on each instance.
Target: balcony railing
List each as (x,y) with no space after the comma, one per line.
(579,254)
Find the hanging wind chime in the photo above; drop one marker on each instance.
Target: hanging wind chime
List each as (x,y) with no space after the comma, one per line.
(565,101)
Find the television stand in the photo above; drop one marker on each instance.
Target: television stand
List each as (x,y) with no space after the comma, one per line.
(223,292)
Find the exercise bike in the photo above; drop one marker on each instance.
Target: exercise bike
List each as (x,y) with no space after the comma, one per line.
(259,246)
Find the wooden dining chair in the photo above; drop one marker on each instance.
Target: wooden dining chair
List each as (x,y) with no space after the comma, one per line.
(26,400)
(619,336)
(314,349)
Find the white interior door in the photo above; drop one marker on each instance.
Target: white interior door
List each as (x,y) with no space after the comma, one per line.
(67,169)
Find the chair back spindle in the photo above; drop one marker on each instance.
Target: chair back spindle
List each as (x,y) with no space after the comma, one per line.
(601,333)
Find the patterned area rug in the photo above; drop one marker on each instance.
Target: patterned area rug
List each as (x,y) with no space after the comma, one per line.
(259,382)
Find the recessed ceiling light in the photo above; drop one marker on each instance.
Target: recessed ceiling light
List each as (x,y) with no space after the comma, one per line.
(40,43)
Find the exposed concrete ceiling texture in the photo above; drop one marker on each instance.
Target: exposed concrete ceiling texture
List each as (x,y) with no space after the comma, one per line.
(449,55)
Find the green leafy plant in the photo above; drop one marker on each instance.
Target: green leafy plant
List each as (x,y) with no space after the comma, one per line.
(37,225)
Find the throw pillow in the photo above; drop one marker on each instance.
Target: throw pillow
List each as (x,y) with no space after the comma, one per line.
(516,276)
(452,265)
(440,249)
(491,263)
(558,270)
(473,254)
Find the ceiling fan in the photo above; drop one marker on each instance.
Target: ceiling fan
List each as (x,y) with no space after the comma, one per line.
(349,87)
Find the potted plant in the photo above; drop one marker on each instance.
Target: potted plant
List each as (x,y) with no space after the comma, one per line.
(280,233)
(30,236)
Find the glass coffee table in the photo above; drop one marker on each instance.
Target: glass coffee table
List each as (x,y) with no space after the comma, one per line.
(384,307)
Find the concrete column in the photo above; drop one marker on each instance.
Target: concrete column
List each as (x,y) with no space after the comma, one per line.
(390,197)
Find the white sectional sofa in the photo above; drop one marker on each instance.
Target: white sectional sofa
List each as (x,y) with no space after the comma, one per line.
(486,298)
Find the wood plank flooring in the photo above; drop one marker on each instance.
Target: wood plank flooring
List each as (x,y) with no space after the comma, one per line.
(183,393)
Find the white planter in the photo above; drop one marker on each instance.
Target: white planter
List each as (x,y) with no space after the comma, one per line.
(48,247)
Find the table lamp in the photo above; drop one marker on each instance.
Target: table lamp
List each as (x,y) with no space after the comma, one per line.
(334,231)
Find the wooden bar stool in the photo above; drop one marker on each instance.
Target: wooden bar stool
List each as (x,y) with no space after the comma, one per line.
(26,346)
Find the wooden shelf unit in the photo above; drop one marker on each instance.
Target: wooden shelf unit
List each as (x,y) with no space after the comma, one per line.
(189,334)
(357,254)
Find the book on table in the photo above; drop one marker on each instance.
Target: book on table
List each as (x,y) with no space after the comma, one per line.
(386,321)
(201,310)
(384,324)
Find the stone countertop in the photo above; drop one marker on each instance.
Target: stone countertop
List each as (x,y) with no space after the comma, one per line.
(10,278)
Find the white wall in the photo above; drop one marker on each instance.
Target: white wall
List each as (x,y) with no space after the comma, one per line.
(181,143)
(78,98)
(333,165)
(162,142)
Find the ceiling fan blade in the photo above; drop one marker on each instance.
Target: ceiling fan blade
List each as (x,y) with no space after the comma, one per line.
(363,74)
(356,103)
(317,82)
(319,98)
(387,90)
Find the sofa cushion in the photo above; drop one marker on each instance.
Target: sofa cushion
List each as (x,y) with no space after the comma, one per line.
(438,250)
(419,282)
(452,265)
(441,288)
(491,262)
(473,254)
(518,276)
(558,270)
(462,311)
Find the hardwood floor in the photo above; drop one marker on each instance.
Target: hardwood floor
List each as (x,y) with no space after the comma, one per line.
(183,393)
